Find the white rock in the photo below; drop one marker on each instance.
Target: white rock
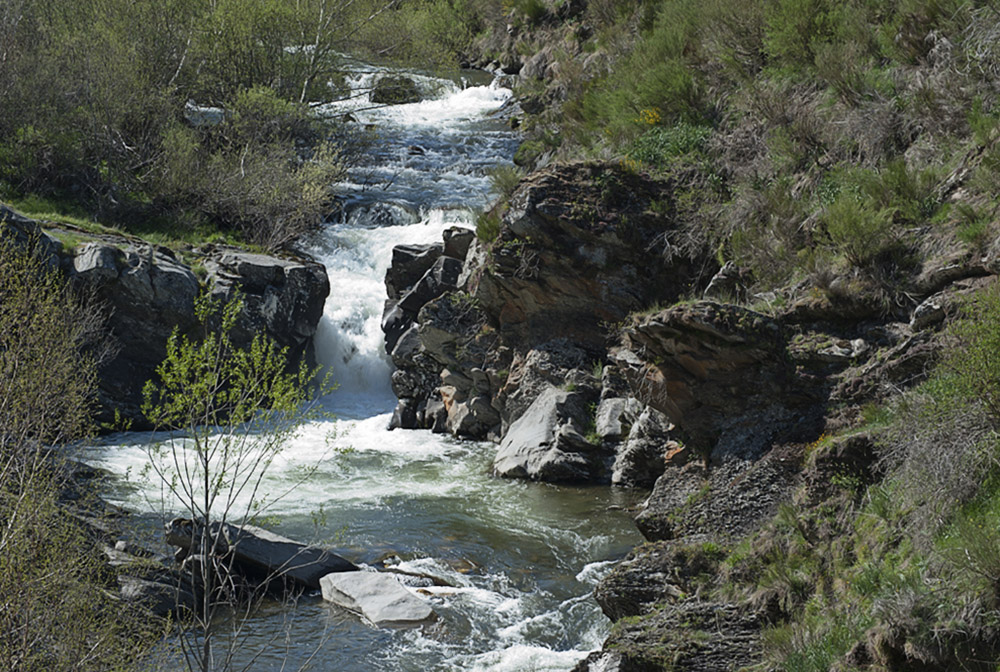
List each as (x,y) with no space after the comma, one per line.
(380,598)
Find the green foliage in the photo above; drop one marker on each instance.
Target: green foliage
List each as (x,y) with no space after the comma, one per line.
(974,226)
(247,173)
(209,383)
(48,342)
(426,33)
(659,145)
(858,229)
(487,226)
(533,10)
(504,180)
(92,95)
(654,75)
(236,408)
(970,371)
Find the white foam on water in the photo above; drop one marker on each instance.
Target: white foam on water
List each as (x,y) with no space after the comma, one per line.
(349,339)
(526,658)
(446,104)
(593,572)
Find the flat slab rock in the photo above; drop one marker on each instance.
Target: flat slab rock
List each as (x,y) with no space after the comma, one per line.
(380,598)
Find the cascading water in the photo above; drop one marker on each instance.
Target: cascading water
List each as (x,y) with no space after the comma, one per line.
(520,558)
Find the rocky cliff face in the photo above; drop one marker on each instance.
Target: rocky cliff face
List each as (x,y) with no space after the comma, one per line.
(148,291)
(749,394)
(484,335)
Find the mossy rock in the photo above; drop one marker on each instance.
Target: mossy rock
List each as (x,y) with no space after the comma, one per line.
(395,91)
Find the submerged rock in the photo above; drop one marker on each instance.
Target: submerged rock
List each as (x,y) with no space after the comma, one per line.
(395,90)
(262,553)
(160,597)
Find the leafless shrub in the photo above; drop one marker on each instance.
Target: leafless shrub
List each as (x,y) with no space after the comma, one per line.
(981,42)
(939,457)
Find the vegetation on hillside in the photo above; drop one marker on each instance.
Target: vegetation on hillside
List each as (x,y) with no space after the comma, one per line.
(56,607)
(805,138)
(831,149)
(904,566)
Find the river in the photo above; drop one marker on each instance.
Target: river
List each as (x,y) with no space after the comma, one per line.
(523,558)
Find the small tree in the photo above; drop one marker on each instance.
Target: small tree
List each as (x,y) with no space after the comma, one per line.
(236,409)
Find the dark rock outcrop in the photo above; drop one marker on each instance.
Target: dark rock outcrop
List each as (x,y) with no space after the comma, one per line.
(654,573)
(647,449)
(395,90)
(431,333)
(690,636)
(258,553)
(722,375)
(580,247)
(149,292)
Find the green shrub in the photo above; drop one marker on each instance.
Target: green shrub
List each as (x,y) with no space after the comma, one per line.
(654,75)
(504,180)
(858,229)
(970,371)
(528,152)
(487,226)
(55,610)
(533,10)
(973,226)
(659,145)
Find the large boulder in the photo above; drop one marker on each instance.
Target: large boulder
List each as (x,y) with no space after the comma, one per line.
(641,458)
(24,232)
(722,374)
(379,597)
(159,597)
(548,442)
(149,291)
(260,553)
(580,246)
(553,363)
(283,298)
(395,90)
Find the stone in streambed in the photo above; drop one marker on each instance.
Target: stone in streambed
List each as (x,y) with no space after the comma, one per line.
(260,551)
(441,277)
(395,90)
(380,598)
(409,263)
(457,241)
(547,442)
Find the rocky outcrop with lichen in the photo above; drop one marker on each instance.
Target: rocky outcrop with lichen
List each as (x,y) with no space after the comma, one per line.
(147,291)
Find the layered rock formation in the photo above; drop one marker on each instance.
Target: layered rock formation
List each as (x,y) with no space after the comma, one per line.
(484,334)
(553,332)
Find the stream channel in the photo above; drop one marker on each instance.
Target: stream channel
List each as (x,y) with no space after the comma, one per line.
(523,557)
